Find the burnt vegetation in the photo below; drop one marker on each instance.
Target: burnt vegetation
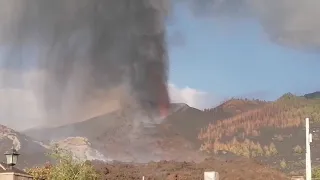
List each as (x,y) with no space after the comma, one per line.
(287,112)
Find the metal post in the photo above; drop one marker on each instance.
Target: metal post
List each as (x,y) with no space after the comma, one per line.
(308,154)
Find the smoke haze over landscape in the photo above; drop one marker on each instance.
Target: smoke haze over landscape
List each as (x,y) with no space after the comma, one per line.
(69,60)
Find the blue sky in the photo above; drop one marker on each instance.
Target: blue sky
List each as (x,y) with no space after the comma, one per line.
(234,57)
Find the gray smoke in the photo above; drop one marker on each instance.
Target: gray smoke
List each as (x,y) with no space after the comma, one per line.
(292,23)
(60,59)
(57,56)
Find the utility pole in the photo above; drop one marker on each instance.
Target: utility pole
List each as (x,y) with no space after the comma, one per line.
(308,153)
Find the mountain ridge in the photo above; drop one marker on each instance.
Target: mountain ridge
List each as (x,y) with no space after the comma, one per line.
(181,134)
(111,130)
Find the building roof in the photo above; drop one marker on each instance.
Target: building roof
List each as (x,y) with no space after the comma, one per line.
(4,168)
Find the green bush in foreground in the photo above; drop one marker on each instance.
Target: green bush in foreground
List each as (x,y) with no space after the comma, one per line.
(316,173)
(67,167)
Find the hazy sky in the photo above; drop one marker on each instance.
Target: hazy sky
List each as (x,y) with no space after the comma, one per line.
(234,57)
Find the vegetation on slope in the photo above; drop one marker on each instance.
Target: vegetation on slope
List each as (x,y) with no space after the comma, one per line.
(189,122)
(245,148)
(288,111)
(235,106)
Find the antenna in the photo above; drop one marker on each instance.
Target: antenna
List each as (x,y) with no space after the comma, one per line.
(308,152)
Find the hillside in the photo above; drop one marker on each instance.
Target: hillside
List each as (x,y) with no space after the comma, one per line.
(264,131)
(189,122)
(143,139)
(273,133)
(139,140)
(32,152)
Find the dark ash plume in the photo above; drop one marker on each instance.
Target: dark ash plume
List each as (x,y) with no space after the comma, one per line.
(85,48)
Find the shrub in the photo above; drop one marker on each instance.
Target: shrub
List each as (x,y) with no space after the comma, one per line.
(267,151)
(297,149)
(273,149)
(283,164)
(259,150)
(67,167)
(40,173)
(316,173)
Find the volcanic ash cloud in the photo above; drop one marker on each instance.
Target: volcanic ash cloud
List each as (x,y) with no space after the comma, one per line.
(84,49)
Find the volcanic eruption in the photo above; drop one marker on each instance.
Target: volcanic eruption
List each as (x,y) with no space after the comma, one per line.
(79,51)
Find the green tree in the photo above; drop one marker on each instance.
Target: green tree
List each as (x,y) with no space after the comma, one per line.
(66,167)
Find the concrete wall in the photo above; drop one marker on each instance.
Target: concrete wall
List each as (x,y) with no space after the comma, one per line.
(13,176)
(6,176)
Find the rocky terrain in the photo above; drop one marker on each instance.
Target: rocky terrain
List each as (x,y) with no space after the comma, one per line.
(32,152)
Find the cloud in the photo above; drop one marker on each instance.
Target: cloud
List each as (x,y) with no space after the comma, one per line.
(193,97)
(292,23)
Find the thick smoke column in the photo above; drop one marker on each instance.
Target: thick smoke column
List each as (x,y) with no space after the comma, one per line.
(83,51)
